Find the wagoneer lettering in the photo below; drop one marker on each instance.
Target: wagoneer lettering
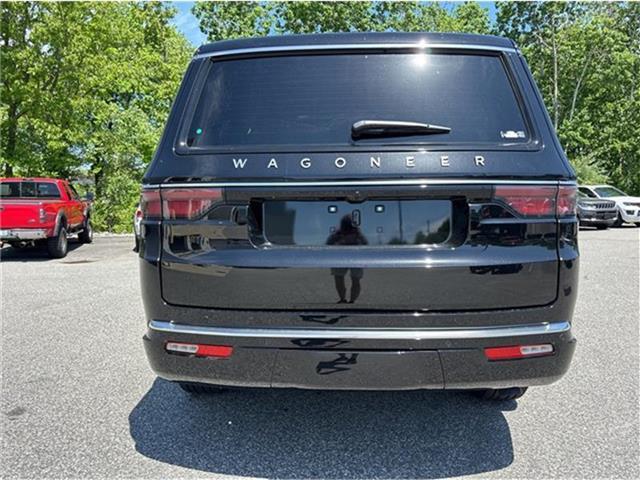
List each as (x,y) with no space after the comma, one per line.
(359,211)
(410,161)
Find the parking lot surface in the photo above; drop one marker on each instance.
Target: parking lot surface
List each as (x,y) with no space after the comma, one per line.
(78,399)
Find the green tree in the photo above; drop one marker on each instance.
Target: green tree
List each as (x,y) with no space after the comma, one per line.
(585,58)
(222,20)
(228,20)
(86,88)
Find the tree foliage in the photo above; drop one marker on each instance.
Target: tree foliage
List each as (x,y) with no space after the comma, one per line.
(86,88)
(226,20)
(586,60)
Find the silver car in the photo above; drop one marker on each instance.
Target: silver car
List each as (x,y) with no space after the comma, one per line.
(596,212)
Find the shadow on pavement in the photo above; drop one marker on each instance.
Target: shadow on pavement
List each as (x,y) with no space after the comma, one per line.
(323,434)
(32,254)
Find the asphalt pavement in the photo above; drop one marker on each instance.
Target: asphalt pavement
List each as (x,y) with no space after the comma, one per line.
(79,400)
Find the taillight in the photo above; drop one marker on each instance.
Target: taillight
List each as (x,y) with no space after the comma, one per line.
(150,205)
(178,203)
(528,201)
(188,203)
(46,216)
(539,201)
(567,200)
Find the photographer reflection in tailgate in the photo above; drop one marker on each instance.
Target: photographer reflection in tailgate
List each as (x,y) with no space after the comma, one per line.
(347,234)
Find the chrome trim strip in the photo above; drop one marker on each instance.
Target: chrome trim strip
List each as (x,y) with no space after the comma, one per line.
(363,334)
(351,46)
(364,183)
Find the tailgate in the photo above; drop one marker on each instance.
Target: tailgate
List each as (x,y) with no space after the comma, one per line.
(382,248)
(19,214)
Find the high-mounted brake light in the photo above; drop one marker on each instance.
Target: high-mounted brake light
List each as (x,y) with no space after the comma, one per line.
(518,351)
(188,203)
(200,350)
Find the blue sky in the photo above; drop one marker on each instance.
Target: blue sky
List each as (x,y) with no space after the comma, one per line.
(188,24)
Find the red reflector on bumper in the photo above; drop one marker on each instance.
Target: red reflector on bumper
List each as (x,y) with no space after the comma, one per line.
(214,351)
(518,351)
(200,350)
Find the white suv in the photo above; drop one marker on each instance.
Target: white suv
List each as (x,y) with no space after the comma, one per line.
(628,207)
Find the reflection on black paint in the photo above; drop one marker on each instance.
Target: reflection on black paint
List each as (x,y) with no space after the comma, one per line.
(347,234)
(342,363)
(497,269)
(324,319)
(383,222)
(511,233)
(318,342)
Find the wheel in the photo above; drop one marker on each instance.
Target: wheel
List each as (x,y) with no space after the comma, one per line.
(58,244)
(602,227)
(86,235)
(619,221)
(200,388)
(501,394)
(637,224)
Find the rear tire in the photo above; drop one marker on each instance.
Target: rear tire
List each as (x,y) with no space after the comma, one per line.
(200,388)
(637,224)
(58,245)
(501,394)
(86,235)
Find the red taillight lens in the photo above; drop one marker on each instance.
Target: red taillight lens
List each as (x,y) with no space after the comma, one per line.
(528,201)
(518,351)
(538,201)
(567,200)
(150,205)
(200,350)
(188,203)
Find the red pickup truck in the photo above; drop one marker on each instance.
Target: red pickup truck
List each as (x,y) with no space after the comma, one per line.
(42,211)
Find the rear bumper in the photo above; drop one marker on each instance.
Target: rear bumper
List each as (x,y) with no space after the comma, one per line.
(371,359)
(23,234)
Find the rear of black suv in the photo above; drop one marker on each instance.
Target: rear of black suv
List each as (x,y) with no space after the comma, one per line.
(360,211)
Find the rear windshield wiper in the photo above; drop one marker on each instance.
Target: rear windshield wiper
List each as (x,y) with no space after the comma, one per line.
(392,128)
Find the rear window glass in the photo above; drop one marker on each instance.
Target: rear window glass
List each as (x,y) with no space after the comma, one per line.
(315,99)
(29,190)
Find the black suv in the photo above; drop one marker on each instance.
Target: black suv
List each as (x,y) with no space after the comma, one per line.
(360,211)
